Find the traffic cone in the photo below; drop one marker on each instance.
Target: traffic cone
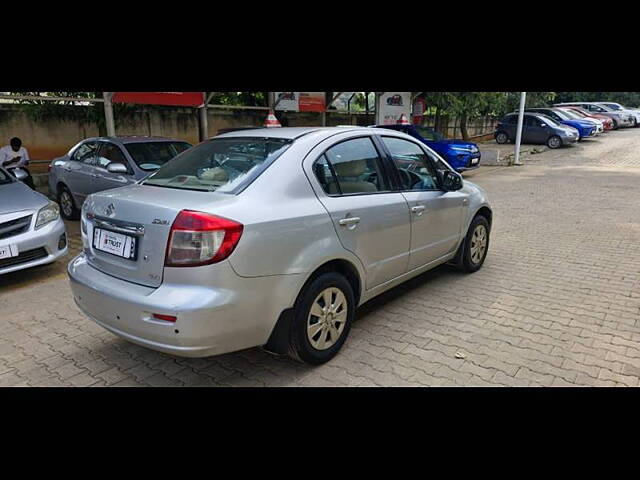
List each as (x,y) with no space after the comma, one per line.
(271,120)
(403,120)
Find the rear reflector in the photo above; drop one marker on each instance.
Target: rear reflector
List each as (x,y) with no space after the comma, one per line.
(166,318)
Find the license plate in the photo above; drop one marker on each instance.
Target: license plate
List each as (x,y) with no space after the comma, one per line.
(114,243)
(474,161)
(7,251)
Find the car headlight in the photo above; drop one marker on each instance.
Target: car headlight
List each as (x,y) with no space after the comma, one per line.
(48,214)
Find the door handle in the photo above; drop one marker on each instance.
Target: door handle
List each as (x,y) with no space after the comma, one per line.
(418,209)
(349,221)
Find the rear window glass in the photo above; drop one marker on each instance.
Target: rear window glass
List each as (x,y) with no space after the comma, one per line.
(152,155)
(219,165)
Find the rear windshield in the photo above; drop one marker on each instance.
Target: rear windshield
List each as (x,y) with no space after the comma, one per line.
(4,177)
(152,155)
(220,165)
(429,134)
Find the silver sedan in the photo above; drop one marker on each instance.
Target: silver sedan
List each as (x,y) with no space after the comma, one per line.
(98,164)
(272,237)
(31,231)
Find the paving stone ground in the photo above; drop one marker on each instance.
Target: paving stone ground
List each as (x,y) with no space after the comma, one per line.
(556,303)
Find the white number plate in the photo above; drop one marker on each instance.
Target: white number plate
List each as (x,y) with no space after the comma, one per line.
(114,243)
(8,251)
(474,161)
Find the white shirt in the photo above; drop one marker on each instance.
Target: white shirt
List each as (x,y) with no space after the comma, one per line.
(7,153)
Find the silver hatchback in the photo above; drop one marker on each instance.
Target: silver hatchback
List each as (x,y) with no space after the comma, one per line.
(272,237)
(101,163)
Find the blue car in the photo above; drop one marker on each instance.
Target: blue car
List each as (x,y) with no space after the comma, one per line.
(585,128)
(460,155)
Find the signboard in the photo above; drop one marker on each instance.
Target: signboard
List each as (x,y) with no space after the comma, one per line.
(391,105)
(176,99)
(419,107)
(300,101)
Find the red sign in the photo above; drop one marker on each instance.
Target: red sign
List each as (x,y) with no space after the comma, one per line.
(311,102)
(177,99)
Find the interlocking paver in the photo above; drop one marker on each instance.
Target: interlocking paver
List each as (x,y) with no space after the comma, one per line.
(557,302)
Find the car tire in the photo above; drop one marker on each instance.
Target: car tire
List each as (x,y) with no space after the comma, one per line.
(554,141)
(502,138)
(68,208)
(635,123)
(475,245)
(615,125)
(315,345)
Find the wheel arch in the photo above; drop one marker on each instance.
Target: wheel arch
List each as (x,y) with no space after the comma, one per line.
(278,341)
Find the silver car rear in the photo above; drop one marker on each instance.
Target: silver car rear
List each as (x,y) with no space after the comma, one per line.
(224,247)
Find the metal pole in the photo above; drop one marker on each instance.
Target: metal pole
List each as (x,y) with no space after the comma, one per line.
(523,100)
(203,125)
(108,114)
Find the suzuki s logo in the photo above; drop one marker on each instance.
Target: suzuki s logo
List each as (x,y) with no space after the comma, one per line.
(110,211)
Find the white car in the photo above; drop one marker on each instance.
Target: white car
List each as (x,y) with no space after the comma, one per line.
(620,108)
(31,231)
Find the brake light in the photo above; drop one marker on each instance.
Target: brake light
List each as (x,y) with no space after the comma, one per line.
(199,238)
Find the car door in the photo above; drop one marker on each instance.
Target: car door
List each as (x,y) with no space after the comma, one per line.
(511,125)
(79,171)
(104,180)
(372,220)
(436,215)
(536,129)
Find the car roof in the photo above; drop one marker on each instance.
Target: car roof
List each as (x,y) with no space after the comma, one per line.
(124,139)
(289,133)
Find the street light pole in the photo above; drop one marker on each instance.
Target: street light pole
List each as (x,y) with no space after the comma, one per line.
(523,99)
(108,114)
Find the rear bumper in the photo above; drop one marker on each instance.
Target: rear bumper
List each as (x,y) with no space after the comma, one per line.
(211,320)
(35,247)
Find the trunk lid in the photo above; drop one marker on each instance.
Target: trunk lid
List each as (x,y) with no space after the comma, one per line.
(145,214)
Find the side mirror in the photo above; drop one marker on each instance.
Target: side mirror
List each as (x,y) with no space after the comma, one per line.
(451,181)
(20,174)
(115,167)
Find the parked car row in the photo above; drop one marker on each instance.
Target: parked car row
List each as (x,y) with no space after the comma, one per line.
(566,123)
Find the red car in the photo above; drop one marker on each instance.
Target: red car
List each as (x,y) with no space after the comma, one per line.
(606,121)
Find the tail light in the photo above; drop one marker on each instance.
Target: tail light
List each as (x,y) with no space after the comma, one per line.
(199,238)
(49,167)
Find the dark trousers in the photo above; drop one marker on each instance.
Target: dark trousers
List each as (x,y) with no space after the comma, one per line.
(28,181)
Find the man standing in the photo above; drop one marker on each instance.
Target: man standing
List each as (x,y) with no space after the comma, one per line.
(15,155)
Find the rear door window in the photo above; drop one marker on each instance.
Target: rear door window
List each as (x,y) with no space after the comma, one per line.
(356,167)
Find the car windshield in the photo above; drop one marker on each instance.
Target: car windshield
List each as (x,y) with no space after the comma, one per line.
(5,177)
(613,106)
(152,155)
(572,114)
(219,165)
(549,121)
(562,114)
(429,133)
(577,112)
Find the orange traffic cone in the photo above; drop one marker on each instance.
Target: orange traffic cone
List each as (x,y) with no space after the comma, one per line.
(271,120)
(403,120)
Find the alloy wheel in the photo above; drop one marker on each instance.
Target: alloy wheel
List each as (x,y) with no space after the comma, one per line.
(66,203)
(478,244)
(327,318)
